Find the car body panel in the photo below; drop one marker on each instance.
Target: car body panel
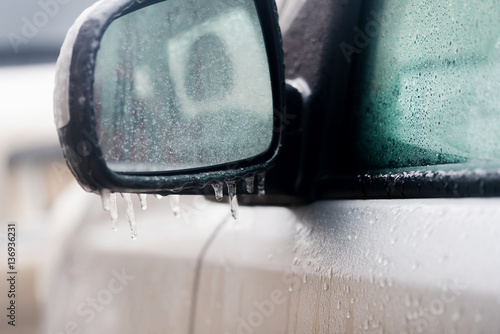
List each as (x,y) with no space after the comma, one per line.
(405,266)
(372,266)
(162,266)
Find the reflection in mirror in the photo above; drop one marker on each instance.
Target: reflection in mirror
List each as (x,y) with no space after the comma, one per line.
(182,84)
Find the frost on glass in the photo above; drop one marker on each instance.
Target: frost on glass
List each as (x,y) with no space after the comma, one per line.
(183,84)
(428,84)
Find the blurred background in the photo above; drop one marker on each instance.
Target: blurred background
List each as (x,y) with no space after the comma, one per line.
(32,170)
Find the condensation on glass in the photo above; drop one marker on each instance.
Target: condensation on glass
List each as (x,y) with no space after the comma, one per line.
(428,84)
(182,84)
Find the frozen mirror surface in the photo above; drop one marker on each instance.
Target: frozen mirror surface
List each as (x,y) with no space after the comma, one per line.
(183,84)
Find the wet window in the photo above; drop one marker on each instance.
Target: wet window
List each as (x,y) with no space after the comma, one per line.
(427,84)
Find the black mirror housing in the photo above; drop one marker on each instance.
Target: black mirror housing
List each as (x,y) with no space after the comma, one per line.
(75,110)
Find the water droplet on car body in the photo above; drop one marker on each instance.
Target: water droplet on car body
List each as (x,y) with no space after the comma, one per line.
(233,199)
(130,215)
(456,316)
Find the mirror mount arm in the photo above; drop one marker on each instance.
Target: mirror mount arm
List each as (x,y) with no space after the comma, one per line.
(284,179)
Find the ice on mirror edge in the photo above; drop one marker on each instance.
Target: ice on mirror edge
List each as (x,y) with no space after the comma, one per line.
(109,200)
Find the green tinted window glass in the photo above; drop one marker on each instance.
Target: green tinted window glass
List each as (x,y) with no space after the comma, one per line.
(427,86)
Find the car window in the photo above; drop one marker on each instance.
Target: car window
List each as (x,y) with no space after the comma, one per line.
(427,83)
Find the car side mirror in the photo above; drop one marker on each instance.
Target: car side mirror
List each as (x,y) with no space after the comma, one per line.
(169,97)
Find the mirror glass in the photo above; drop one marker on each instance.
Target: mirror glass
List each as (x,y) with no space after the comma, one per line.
(183,84)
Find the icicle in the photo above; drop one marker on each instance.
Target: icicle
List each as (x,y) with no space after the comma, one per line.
(109,205)
(130,215)
(158,196)
(144,201)
(231,189)
(261,179)
(249,184)
(175,205)
(113,211)
(218,189)
(106,197)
